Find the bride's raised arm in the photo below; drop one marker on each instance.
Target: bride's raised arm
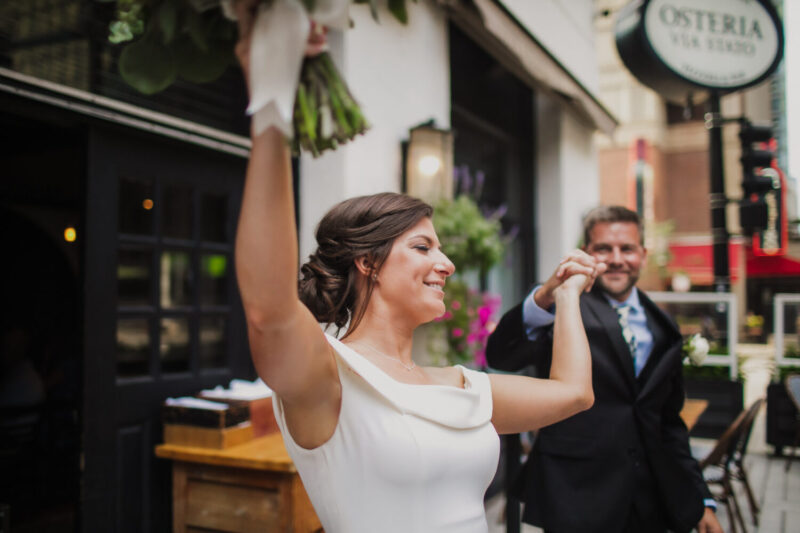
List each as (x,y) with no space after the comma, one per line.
(522,403)
(288,347)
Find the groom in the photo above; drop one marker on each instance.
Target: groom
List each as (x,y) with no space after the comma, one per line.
(624,465)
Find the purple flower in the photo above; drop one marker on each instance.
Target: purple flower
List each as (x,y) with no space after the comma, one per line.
(480,178)
(499,213)
(457,332)
(466,180)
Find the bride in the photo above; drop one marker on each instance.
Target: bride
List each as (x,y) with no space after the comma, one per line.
(382,444)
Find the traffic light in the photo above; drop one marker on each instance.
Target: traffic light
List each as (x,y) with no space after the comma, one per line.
(758,179)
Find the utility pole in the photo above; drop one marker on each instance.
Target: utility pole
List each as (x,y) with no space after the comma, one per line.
(719,226)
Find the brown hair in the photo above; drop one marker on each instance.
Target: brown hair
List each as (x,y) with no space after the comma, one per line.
(610,213)
(358,227)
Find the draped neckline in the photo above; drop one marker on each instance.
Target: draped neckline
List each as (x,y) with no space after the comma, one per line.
(448,405)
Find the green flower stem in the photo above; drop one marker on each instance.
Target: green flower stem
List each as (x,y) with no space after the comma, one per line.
(325,113)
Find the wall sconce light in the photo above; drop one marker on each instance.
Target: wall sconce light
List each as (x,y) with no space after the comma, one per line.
(428,163)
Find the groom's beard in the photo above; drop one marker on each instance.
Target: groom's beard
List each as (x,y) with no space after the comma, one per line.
(618,283)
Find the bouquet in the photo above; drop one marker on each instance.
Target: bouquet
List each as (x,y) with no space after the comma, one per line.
(305,97)
(695,349)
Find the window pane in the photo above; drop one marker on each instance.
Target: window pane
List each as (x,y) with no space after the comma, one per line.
(176,279)
(212,342)
(177,212)
(213,279)
(134,277)
(136,206)
(791,329)
(213,217)
(175,346)
(708,319)
(133,347)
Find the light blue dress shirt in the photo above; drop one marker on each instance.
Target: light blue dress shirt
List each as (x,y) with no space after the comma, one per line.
(536,319)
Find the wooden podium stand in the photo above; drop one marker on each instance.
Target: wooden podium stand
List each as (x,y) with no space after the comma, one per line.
(252,487)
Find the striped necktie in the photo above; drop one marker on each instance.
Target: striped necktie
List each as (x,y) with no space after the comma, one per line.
(627,333)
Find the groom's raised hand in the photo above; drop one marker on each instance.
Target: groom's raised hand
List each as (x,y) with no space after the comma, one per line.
(578,266)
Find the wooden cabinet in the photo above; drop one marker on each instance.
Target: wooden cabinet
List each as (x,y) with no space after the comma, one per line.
(252,487)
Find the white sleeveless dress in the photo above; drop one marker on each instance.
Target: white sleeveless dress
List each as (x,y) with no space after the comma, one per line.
(403,458)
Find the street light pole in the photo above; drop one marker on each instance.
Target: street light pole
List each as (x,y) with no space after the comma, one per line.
(719,227)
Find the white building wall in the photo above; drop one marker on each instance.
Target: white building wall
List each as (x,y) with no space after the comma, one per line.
(567,185)
(566,158)
(565,28)
(400,76)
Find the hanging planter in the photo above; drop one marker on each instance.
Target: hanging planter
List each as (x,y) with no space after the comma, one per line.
(193,40)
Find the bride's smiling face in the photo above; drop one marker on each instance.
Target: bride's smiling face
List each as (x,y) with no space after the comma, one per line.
(412,279)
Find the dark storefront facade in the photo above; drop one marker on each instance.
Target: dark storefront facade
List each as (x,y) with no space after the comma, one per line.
(118,282)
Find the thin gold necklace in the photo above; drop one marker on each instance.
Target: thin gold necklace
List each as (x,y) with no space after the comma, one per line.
(410,367)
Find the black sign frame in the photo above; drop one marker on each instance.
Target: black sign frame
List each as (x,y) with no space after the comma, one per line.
(642,60)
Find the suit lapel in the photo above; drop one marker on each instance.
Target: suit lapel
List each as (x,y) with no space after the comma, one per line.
(666,343)
(606,315)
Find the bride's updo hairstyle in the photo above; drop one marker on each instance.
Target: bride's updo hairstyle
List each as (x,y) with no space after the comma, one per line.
(365,226)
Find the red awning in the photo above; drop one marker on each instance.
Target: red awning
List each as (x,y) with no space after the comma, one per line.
(771,265)
(696,259)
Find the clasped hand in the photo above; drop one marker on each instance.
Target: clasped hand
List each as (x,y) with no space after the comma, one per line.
(576,271)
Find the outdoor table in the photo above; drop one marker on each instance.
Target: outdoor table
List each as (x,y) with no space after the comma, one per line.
(250,487)
(692,409)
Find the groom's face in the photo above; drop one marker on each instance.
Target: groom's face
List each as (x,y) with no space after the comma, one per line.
(618,245)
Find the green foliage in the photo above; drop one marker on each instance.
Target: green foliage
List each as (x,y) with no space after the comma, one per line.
(147,65)
(791,350)
(396,7)
(473,242)
(706,372)
(325,113)
(129,23)
(168,39)
(470,240)
(785,371)
(164,40)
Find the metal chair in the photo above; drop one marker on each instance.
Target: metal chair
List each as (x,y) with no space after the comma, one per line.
(792,384)
(738,471)
(725,463)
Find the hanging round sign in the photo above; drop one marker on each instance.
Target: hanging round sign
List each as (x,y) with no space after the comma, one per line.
(680,47)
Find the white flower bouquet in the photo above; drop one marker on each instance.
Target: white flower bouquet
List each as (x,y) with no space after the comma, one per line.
(695,349)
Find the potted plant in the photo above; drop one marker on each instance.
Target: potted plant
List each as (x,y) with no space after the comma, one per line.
(712,383)
(754,327)
(473,240)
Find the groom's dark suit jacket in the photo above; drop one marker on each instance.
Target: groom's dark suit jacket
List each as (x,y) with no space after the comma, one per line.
(631,448)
